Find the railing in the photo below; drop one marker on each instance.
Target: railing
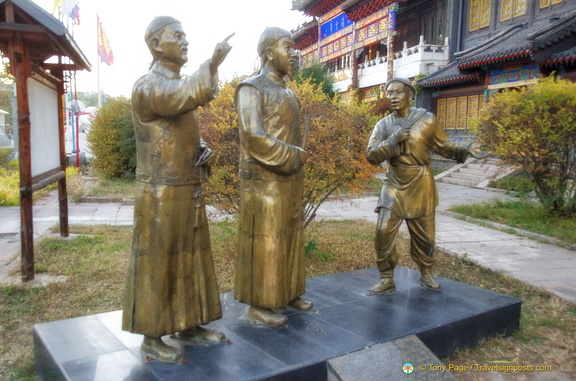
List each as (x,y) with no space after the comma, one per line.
(408,63)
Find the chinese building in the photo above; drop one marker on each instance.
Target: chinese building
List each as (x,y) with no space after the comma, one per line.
(465,50)
(363,43)
(504,44)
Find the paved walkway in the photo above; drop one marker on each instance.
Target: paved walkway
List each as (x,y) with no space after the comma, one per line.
(549,266)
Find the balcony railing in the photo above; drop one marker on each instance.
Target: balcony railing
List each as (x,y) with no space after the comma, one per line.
(408,63)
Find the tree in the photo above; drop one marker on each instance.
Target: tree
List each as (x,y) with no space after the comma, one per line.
(535,128)
(336,142)
(111,139)
(318,75)
(90,99)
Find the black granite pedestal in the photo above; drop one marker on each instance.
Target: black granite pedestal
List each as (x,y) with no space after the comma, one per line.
(344,319)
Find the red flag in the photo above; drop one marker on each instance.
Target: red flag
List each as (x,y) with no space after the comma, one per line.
(104,48)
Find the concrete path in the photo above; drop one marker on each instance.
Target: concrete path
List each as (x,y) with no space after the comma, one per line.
(544,265)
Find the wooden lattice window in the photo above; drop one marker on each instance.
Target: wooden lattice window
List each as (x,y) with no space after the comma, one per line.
(455,113)
(479,14)
(512,8)
(546,3)
(441,112)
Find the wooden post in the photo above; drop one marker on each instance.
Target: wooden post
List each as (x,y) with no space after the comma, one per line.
(22,68)
(62,192)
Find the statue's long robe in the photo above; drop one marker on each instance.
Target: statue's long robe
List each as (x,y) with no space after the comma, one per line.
(171,283)
(270,263)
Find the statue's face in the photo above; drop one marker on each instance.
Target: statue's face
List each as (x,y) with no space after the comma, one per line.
(173,44)
(399,96)
(283,56)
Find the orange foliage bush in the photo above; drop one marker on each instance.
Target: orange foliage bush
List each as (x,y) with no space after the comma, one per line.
(336,142)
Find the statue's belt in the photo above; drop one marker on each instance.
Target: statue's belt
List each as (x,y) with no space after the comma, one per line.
(192,179)
(257,174)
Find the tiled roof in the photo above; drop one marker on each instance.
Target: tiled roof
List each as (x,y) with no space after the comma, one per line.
(359,9)
(561,29)
(448,76)
(517,42)
(510,44)
(566,57)
(315,8)
(55,36)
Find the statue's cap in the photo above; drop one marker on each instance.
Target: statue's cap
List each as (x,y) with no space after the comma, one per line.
(159,23)
(401,80)
(270,36)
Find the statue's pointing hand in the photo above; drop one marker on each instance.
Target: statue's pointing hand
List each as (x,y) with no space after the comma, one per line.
(221,51)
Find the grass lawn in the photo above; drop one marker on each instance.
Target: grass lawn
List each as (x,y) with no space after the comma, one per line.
(95,265)
(524,214)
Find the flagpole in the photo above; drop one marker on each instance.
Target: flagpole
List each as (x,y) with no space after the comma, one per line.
(98,58)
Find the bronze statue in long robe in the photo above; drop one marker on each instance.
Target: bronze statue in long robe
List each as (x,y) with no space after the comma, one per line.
(171,285)
(270,263)
(270,268)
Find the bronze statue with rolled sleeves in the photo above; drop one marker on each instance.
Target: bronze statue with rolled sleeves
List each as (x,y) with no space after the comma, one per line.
(171,285)
(270,263)
(405,138)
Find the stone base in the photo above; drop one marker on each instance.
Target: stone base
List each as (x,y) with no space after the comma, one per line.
(71,159)
(344,319)
(382,361)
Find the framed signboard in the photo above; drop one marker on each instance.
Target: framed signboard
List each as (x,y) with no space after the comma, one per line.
(44,129)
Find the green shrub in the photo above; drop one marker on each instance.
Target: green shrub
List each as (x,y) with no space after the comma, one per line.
(9,185)
(519,183)
(535,128)
(111,139)
(4,153)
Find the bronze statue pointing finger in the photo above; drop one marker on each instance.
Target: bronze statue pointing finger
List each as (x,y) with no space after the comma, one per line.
(171,286)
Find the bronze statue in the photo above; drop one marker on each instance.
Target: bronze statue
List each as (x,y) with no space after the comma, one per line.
(171,286)
(405,138)
(270,264)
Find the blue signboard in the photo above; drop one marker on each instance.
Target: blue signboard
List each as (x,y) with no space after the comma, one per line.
(335,25)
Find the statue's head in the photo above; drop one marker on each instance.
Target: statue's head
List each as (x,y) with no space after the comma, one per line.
(154,33)
(269,37)
(405,82)
(286,56)
(400,92)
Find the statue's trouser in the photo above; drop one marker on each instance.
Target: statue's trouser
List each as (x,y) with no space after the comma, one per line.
(422,232)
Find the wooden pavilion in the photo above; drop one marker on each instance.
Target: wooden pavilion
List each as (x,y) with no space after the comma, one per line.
(40,51)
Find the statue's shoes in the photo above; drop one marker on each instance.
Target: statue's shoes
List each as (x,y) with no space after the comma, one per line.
(301,304)
(200,335)
(428,282)
(385,286)
(266,316)
(156,349)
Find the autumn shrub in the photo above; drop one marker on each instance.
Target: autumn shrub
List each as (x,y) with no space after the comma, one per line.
(336,141)
(111,139)
(218,125)
(535,128)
